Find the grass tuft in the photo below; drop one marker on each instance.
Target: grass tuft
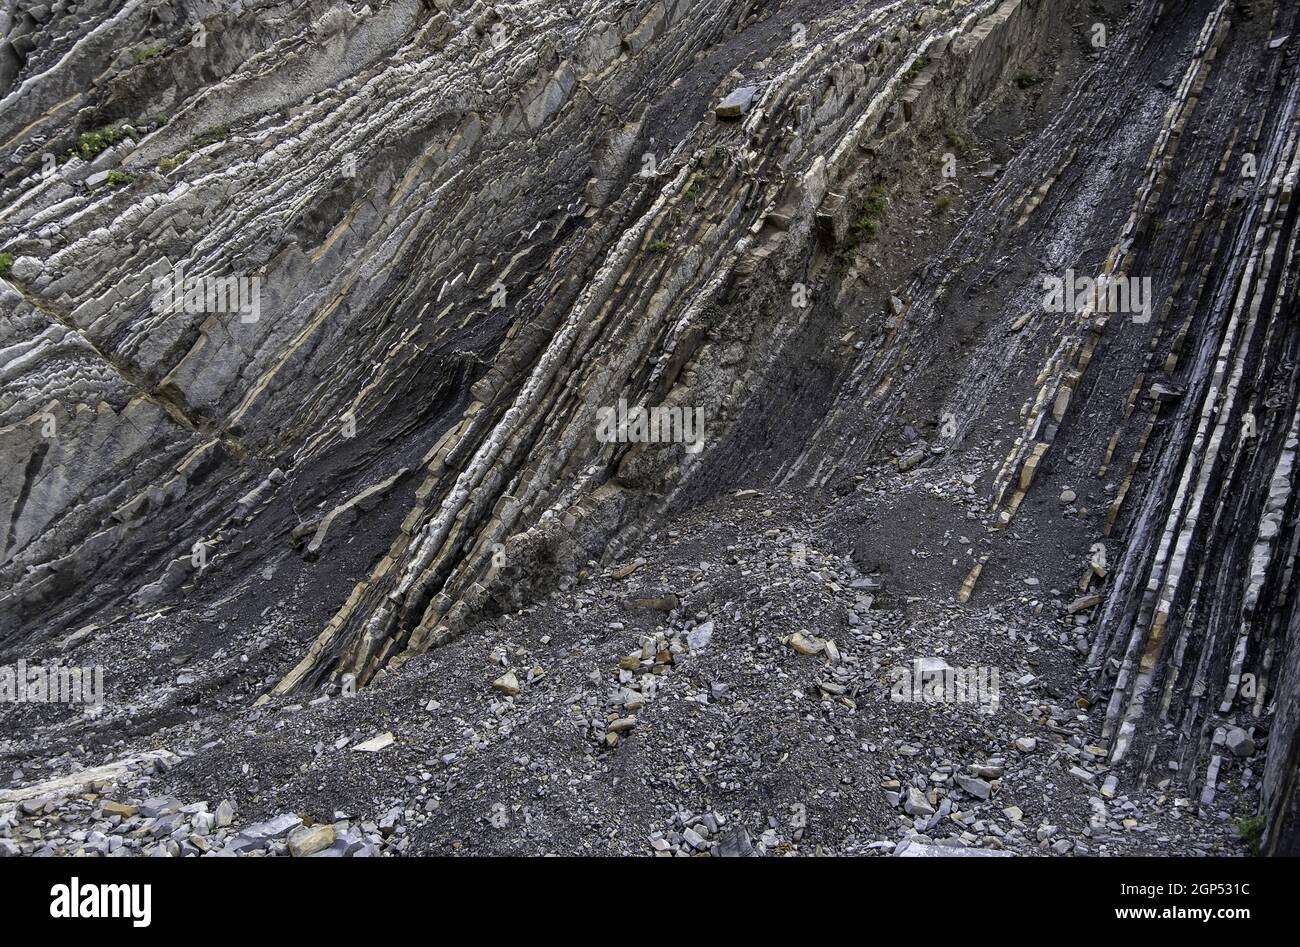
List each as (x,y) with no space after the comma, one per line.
(210,136)
(167,165)
(914,70)
(90,144)
(1251,830)
(147,52)
(871,215)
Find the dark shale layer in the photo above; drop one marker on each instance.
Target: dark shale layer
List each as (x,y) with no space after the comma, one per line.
(356,553)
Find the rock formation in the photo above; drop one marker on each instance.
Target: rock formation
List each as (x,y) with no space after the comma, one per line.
(311,309)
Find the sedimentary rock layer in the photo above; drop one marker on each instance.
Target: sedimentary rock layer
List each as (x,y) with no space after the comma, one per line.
(454,232)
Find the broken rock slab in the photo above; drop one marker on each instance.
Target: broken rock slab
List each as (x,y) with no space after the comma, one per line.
(921,850)
(77,782)
(263,833)
(375,744)
(736,843)
(306,841)
(916,804)
(737,103)
(978,788)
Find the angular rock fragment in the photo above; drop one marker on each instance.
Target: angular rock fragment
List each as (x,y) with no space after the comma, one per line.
(737,103)
(306,841)
(375,743)
(507,684)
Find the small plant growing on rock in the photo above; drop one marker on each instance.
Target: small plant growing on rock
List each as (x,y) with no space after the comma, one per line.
(942,203)
(1251,830)
(90,144)
(118,178)
(6,263)
(864,225)
(873,211)
(167,165)
(147,52)
(210,135)
(660,246)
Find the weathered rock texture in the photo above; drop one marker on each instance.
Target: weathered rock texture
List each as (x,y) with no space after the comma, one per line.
(476,225)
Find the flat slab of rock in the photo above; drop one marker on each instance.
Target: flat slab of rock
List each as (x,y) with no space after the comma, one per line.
(159,806)
(258,835)
(975,786)
(375,744)
(77,782)
(915,850)
(738,103)
(1083,603)
(622,572)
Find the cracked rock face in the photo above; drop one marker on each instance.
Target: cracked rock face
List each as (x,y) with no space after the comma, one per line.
(762,359)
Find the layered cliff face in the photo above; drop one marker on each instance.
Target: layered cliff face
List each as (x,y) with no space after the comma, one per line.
(328,328)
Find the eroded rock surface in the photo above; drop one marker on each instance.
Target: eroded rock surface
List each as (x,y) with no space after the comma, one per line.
(353,543)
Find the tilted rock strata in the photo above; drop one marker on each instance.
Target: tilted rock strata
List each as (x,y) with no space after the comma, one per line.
(473,226)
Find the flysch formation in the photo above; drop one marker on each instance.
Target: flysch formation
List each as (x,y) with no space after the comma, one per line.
(368,569)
